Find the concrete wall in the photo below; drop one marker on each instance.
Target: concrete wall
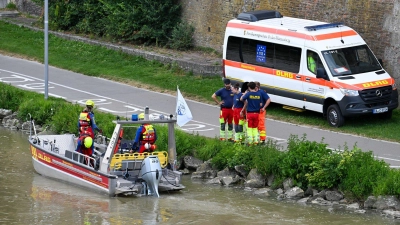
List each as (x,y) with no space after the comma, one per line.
(3,3)
(377,21)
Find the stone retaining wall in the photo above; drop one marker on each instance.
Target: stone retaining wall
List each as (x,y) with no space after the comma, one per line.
(29,7)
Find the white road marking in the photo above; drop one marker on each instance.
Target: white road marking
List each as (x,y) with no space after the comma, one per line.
(54,95)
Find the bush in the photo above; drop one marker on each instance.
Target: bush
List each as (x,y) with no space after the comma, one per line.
(139,21)
(186,144)
(361,174)
(224,152)
(389,184)
(65,119)
(297,160)
(11,97)
(326,172)
(11,6)
(40,109)
(182,37)
(242,155)
(267,159)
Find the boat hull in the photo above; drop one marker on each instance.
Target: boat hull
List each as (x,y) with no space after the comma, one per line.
(50,165)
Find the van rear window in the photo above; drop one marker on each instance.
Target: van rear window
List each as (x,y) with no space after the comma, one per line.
(266,54)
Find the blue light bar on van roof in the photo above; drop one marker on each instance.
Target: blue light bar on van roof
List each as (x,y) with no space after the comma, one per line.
(323,26)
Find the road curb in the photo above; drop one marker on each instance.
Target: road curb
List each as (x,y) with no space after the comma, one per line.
(9,14)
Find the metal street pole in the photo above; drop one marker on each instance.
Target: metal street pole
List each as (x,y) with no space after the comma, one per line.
(46,50)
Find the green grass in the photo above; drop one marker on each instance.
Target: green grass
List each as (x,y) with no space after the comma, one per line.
(101,62)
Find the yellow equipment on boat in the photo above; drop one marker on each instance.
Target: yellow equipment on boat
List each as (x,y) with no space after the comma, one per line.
(117,159)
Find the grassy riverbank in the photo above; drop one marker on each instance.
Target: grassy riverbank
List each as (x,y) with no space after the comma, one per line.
(101,62)
(310,164)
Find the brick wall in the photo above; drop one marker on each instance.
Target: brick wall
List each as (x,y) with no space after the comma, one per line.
(377,21)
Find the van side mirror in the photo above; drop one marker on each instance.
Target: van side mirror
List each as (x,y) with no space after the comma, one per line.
(321,73)
(381,62)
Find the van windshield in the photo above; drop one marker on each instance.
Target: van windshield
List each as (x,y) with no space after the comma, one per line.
(351,61)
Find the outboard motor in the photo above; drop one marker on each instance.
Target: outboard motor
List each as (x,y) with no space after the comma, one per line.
(151,173)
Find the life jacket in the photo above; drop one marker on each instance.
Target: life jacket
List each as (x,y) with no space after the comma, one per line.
(84,119)
(86,132)
(85,125)
(149,134)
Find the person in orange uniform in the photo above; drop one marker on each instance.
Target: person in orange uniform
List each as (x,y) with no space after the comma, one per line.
(261,122)
(145,138)
(226,114)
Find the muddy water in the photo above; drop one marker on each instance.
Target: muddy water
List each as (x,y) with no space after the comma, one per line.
(28,198)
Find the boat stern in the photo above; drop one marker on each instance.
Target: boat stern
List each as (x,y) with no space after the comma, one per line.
(151,173)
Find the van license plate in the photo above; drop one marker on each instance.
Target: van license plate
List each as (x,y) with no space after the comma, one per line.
(381,110)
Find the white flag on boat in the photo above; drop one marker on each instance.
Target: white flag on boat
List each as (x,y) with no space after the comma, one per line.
(183,114)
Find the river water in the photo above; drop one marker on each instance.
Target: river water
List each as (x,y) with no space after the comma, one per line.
(29,198)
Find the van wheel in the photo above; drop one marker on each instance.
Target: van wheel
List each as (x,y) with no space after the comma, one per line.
(334,116)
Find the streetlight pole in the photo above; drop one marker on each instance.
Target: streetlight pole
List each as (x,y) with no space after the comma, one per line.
(46,49)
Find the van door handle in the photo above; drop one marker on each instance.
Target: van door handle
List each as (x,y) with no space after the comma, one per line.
(308,79)
(298,77)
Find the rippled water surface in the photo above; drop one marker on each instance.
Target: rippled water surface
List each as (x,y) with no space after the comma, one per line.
(28,198)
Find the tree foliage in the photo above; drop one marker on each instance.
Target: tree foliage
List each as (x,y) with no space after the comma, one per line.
(139,21)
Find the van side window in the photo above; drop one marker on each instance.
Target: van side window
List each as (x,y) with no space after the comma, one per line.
(233,49)
(313,61)
(266,54)
(287,58)
(258,53)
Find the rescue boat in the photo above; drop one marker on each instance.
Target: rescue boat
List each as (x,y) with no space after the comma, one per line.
(113,170)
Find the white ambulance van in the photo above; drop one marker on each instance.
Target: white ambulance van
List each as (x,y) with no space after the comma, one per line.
(308,65)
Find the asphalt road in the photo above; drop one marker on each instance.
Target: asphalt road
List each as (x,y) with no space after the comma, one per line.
(124,100)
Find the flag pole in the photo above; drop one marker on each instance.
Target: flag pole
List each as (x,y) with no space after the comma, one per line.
(177,94)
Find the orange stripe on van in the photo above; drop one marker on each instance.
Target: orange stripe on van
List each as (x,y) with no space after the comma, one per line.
(249,67)
(292,33)
(261,69)
(335,35)
(311,79)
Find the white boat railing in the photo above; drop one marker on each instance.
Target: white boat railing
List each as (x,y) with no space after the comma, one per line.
(82,158)
(31,125)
